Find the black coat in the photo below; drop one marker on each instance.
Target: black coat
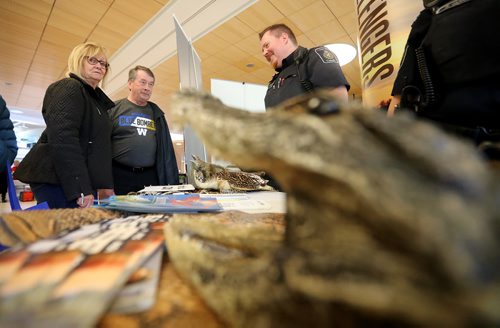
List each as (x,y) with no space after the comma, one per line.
(166,163)
(8,143)
(74,151)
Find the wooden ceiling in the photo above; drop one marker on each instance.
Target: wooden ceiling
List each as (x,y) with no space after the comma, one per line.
(38,35)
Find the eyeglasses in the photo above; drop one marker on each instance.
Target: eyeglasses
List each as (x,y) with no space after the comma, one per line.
(95,61)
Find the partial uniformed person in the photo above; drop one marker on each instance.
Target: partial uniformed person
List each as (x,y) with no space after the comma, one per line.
(299,70)
(450,72)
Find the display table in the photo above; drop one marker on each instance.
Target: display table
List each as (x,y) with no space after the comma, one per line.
(70,267)
(177,304)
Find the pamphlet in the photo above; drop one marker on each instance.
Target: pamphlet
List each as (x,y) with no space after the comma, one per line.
(164,190)
(163,203)
(140,295)
(70,280)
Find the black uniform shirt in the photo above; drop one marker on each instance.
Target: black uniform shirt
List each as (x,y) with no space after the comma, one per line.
(319,65)
(463,62)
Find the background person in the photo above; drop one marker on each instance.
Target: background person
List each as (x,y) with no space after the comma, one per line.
(143,153)
(450,72)
(8,146)
(71,161)
(299,70)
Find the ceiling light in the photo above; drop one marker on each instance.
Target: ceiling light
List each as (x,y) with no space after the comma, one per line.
(344,52)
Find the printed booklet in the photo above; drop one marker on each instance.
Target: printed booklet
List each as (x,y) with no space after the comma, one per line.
(162,203)
(71,280)
(164,190)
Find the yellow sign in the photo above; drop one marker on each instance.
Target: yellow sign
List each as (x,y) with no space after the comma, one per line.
(383,26)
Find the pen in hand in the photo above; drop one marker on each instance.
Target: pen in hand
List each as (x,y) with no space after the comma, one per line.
(82,200)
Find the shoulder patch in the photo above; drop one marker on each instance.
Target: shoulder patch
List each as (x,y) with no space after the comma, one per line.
(326,55)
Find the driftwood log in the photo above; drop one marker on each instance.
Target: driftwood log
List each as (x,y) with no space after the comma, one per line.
(389,221)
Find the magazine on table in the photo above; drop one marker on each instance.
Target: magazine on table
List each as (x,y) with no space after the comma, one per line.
(72,279)
(163,203)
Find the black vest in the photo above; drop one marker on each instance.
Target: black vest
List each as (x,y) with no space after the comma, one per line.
(291,80)
(459,43)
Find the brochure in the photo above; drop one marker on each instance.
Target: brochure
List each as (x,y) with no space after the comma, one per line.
(163,203)
(164,190)
(72,279)
(140,295)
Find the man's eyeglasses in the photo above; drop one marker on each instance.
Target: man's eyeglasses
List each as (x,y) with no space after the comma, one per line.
(95,61)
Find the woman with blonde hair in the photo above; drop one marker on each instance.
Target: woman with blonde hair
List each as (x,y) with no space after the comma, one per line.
(71,162)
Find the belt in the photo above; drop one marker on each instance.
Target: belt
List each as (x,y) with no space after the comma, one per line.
(135,169)
(478,134)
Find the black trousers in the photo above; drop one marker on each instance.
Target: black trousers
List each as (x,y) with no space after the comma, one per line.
(127,179)
(3,184)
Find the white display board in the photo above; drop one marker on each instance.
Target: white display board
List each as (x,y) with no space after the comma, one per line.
(189,78)
(242,95)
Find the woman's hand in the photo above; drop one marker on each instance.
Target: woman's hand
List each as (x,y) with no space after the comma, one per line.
(86,201)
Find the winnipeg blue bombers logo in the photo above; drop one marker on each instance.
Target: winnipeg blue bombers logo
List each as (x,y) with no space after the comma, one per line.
(141,123)
(326,55)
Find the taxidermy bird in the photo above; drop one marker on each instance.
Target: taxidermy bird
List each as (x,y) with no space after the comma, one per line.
(215,177)
(390,222)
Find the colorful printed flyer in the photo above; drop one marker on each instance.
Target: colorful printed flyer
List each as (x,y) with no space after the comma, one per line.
(71,280)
